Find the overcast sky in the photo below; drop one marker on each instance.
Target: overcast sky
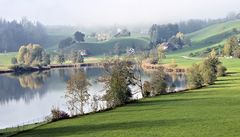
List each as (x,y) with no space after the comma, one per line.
(109,12)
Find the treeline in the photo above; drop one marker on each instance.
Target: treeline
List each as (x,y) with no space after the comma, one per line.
(197,24)
(206,72)
(14,33)
(169,35)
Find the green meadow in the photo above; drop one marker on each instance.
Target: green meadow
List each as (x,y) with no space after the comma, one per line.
(211,111)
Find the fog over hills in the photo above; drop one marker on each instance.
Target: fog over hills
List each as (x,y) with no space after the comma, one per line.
(109,12)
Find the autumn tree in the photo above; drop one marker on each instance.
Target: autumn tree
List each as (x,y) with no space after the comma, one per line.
(230,46)
(77,93)
(30,54)
(120,76)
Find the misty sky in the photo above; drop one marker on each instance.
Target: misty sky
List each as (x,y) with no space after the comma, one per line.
(109,12)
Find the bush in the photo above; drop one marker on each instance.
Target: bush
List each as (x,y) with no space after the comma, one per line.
(14,60)
(221,70)
(58,114)
(158,82)
(195,79)
(147,89)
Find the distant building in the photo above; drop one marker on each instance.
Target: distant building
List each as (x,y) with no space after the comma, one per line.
(103,36)
(83,52)
(166,46)
(131,51)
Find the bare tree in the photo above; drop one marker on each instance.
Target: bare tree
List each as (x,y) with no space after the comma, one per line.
(77,94)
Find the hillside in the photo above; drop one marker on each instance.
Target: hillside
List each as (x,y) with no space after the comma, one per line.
(213,111)
(111,46)
(211,36)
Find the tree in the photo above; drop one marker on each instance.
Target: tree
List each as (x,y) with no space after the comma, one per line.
(194,77)
(158,81)
(118,79)
(213,54)
(74,56)
(65,43)
(60,58)
(30,54)
(161,54)
(227,49)
(153,55)
(79,36)
(230,46)
(46,59)
(221,70)
(80,58)
(147,89)
(14,60)
(162,33)
(236,53)
(13,34)
(208,69)
(77,93)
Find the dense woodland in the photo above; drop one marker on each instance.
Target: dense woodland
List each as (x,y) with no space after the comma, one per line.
(13,34)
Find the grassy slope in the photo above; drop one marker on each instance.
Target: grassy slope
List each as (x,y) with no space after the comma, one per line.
(211,111)
(5,60)
(211,36)
(99,48)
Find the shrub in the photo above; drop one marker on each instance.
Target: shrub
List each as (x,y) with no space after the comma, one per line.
(221,70)
(14,60)
(195,79)
(147,89)
(58,114)
(158,82)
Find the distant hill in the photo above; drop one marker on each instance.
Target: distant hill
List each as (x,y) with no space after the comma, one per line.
(111,47)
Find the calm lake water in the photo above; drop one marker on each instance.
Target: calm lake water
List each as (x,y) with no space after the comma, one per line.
(29,98)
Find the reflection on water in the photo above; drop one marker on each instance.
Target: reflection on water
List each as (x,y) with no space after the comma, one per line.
(31,96)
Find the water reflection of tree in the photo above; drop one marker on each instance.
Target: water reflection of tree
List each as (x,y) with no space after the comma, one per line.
(77,94)
(34,80)
(13,89)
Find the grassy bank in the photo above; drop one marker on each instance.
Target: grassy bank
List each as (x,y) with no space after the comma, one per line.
(211,111)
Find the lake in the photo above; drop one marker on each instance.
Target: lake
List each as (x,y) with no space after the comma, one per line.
(29,98)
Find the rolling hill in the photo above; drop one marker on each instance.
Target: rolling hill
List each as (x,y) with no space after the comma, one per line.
(210,36)
(111,46)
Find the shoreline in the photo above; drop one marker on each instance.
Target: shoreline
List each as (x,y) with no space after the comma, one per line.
(53,66)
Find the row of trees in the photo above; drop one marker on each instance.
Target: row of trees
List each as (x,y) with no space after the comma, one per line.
(74,57)
(162,33)
(119,76)
(34,54)
(14,33)
(206,72)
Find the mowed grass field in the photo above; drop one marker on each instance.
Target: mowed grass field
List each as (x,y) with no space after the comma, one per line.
(5,60)
(212,111)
